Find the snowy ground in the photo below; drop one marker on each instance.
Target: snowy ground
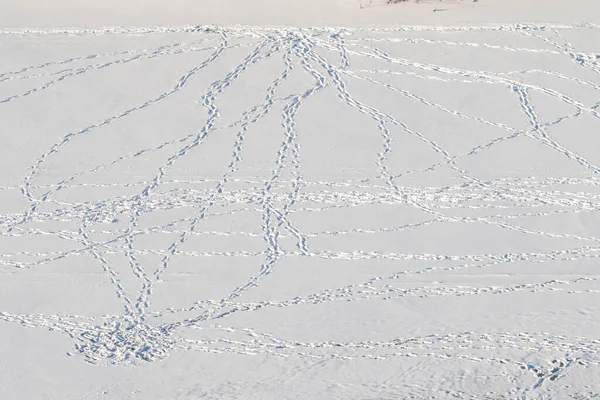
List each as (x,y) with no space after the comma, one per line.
(300,213)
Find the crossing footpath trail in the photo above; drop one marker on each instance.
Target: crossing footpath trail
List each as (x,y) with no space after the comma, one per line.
(253,212)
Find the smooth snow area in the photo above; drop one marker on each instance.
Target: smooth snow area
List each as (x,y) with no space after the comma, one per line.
(236,212)
(306,13)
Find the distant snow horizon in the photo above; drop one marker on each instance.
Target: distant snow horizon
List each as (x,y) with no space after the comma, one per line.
(88,13)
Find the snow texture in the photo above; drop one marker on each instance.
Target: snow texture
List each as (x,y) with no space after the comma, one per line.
(300,213)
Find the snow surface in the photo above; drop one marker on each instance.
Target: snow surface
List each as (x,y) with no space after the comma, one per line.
(274,212)
(306,13)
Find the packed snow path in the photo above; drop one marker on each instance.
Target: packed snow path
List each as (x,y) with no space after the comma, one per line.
(419,204)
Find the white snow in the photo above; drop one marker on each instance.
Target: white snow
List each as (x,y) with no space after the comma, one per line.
(244,200)
(306,13)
